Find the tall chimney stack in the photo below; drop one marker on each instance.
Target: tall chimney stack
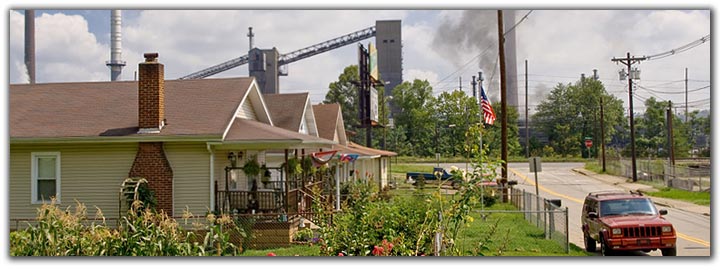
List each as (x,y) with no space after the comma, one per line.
(116,63)
(151,95)
(30,44)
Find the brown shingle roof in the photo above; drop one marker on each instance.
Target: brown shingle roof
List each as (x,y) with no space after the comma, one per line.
(91,109)
(243,130)
(326,119)
(286,110)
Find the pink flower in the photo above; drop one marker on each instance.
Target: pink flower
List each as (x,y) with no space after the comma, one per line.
(377,251)
(341,254)
(271,254)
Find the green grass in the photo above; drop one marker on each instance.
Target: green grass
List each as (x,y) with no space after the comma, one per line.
(294,250)
(513,236)
(700,198)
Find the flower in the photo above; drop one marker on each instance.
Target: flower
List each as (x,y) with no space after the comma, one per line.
(340,254)
(271,254)
(377,251)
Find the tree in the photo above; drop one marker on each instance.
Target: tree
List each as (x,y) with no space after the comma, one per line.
(494,135)
(457,112)
(416,115)
(571,112)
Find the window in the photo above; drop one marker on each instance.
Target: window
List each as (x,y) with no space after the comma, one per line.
(45,177)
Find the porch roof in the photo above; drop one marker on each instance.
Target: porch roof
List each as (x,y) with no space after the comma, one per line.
(257,135)
(372,151)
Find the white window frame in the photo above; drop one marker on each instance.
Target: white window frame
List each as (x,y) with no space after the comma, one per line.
(34,175)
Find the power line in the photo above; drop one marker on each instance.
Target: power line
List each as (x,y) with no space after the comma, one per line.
(516,24)
(679,49)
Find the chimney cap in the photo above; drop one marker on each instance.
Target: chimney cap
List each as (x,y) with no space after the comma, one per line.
(151,57)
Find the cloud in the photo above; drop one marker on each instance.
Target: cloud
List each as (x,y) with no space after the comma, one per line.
(64,49)
(423,75)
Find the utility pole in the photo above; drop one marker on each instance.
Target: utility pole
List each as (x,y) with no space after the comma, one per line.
(460,82)
(527,128)
(686,97)
(671,142)
(503,107)
(628,61)
(602,132)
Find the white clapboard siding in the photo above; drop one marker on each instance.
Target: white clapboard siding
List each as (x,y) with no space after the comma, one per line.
(190,163)
(247,111)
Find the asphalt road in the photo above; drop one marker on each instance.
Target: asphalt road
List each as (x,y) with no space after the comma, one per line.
(559,181)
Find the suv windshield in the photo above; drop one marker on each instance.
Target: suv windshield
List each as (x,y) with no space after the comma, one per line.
(640,206)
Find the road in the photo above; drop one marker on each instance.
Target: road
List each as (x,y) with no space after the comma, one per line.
(559,181)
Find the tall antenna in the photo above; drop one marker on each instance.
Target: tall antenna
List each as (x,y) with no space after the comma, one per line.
(116,63)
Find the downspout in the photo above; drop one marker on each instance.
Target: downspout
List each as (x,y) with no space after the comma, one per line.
(212,177)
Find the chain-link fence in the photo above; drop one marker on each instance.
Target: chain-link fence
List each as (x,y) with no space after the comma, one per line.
(547,214)
(687,177)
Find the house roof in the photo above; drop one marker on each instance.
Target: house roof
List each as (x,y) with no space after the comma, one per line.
(287,110)
(243,131)
(329,121)
(201,107)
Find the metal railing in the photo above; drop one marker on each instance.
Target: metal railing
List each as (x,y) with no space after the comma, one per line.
(697,179)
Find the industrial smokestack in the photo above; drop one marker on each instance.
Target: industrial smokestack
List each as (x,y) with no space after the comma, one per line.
(30,44)
(510,57)
(116,63)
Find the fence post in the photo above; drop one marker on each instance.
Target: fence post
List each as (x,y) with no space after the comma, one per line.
(438,236)
(567,230)
(546,221)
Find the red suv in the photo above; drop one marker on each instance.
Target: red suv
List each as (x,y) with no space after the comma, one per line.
(622,221)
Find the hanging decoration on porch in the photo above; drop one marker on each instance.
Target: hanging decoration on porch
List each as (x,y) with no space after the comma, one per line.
(322,158)
(348,157)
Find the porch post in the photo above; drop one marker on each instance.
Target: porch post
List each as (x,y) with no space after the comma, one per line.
(287,173)
(226,202)
(337,186)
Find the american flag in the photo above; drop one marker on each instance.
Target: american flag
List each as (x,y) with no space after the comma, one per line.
(487,109)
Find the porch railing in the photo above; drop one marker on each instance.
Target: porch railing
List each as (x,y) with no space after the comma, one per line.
(247,201)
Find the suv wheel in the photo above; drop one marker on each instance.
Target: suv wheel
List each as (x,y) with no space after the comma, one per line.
(590,244)
(669,251)
(604,249)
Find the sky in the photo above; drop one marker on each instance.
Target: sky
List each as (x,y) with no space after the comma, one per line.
(445,46)
(443,42)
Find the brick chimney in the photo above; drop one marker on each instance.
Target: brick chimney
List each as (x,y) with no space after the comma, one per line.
(151,95)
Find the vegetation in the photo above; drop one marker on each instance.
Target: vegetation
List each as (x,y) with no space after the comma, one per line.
(494,234)
(63,233)
(570,113)
(700,198)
